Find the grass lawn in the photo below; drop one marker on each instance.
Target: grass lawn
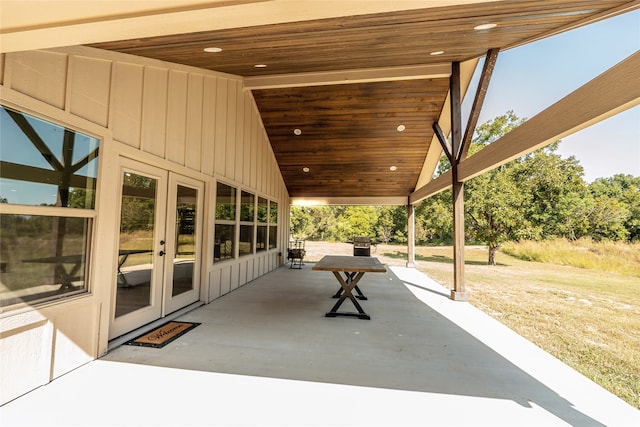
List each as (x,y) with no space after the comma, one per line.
(589,319)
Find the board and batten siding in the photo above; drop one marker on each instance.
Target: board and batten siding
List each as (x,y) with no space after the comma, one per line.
(192,121)
(202,120)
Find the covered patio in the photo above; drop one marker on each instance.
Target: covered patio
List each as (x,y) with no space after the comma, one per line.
(266,355)
(281,103)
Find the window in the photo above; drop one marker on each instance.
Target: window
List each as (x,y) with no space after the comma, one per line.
(44,164)
(273,225)
(261,231)
(225,223)
(247,223)
(273,213)
(43,257)
(48,176)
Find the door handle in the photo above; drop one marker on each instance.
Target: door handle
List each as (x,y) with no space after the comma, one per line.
(161,253)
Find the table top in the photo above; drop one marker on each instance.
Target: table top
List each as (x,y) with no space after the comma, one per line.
(350,264)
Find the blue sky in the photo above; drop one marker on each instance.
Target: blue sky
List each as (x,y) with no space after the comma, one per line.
(529,78)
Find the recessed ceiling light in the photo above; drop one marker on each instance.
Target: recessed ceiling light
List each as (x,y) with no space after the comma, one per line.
(485,26)
(392,168)
(212,49)
(305,169)
(437,52)
(297,132)
(260,66)
(401,128)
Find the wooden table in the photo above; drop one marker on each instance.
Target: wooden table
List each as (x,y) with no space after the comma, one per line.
(353,267)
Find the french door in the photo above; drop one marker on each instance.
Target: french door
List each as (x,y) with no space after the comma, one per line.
(158,269)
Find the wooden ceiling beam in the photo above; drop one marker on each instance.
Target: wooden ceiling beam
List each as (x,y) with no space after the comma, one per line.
(444,143)
(56,23)
(368,75)
(476,107)
(435,186)
(608,94)
(432,159)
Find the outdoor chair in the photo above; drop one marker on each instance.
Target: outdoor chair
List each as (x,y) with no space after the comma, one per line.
(296,253)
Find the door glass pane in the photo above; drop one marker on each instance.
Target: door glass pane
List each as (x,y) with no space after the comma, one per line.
(185,244)
(137,228)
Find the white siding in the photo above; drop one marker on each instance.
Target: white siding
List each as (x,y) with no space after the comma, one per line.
(196,122)
(209,105)
(126,105)
(89,89)
(221,127)
(177,116)
(154,111)
(41,75)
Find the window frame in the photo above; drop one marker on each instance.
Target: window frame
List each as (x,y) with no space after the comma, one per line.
(247,223)
(75,124)
(262,225)
(96,155)
(272,226)
(234,223)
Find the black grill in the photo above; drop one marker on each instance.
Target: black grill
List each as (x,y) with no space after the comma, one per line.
(361,246)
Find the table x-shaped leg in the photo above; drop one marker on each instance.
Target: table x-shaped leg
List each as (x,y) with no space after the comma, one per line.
(348,286)
(348,278)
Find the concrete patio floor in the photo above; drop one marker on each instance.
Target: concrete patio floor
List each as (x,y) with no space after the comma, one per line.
(265,355)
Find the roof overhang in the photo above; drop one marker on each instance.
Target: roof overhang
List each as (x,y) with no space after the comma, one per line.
(339,82)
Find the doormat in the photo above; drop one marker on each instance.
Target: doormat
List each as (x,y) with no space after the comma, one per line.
(163,335)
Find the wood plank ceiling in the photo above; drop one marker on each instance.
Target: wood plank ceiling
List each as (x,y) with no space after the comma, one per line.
(349,137)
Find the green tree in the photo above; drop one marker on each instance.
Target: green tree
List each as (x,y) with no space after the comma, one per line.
(81,198)
(359,221)
(606,219)
(325,221)
(493,130)
(301,222)
(400,216)
(385,226)
(494,200)
(493,210)
(555,185)
(626,190)
(434,219)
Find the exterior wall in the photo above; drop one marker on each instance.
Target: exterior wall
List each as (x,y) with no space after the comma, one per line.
(198,123)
